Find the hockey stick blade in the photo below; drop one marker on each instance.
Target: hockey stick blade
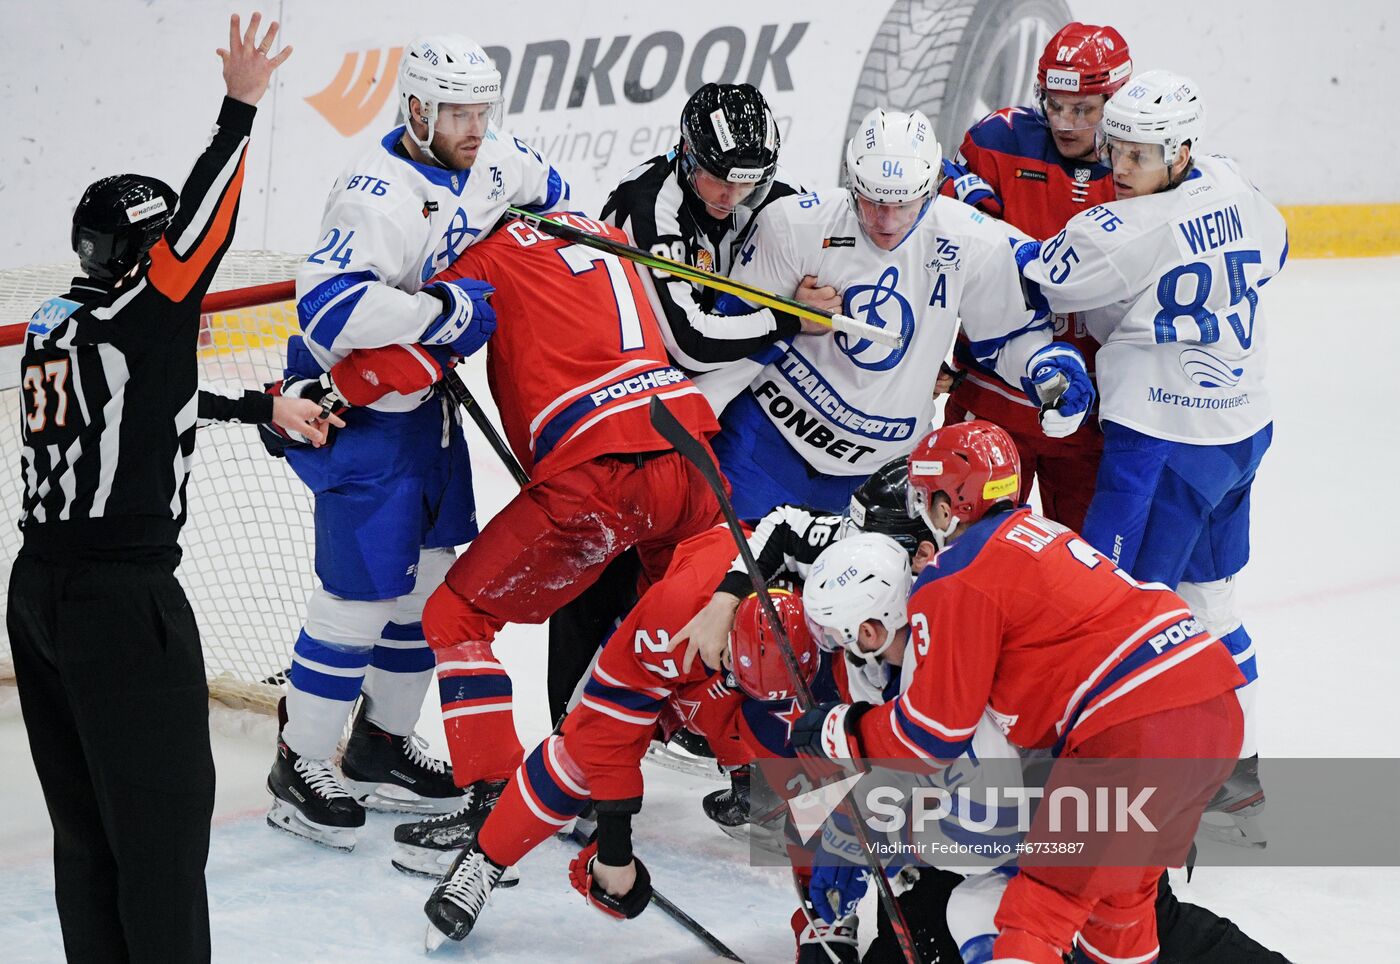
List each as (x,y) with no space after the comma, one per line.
(694,452)
(842,323)
(667,907)
(457,390)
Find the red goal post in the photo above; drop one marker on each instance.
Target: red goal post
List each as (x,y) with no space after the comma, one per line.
(248,541)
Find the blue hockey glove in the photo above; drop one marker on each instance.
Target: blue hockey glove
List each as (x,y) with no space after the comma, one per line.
(1058,380)
(467,318)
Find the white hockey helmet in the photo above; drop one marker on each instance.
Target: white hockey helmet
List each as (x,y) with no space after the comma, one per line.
(1156,107)
(861,577)
(894,157)
(446,69)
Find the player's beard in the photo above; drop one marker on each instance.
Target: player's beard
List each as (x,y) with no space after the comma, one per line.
(457,152)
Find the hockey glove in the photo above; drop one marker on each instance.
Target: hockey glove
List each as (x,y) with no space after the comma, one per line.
(819,942)
(368,374)
(278,440)
(626,907)
(839,875)
(828,731)
(467,318)
(1058,380)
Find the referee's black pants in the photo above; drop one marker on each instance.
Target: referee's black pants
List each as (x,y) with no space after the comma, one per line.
(112,688)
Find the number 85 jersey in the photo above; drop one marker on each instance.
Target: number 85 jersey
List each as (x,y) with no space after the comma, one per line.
(1169,284)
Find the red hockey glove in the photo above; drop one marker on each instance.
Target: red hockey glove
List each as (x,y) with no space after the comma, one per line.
(626,907)
(368,374)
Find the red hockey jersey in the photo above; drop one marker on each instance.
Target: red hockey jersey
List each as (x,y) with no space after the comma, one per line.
(1023,618)
(1029,185)
(577,353)
(637,687)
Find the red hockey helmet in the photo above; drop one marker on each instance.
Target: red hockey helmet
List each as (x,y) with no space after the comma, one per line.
(1084,59)
(973,463)
(755,653)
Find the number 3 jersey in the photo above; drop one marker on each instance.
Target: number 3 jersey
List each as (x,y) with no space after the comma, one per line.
(578,353)
(1022,619)
(390,224)
(1173,282)
(847,404)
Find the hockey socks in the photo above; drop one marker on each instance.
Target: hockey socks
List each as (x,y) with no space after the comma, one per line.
(477,701)
(545,794)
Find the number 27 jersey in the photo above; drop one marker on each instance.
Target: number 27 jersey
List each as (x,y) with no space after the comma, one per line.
(1169,284)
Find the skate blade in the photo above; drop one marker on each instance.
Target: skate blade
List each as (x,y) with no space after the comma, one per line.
(433,939)
(285,817)
(665,755)
(391,798)
(1237,830)
(432,864)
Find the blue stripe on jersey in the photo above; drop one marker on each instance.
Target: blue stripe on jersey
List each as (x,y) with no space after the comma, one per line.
(563,421)
(549,791)
(557,189)
(416,659)
(402,632)
(454,181)
(625,698)
(928,741)
(986,350)
(1139,656)
(322,325)
(455,689)
(959,555)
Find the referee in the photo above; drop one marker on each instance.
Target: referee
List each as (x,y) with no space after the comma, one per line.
(106,652)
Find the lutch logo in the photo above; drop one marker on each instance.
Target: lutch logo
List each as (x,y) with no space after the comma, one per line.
(359,90)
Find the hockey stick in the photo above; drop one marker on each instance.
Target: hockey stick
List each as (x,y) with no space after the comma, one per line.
(457,390)
(667,907)
(694,452)
(709,279)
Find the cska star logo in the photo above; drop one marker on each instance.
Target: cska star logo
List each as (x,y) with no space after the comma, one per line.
(788,716)
(1008,114)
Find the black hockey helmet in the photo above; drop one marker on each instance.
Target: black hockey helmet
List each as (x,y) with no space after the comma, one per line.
(728,131)
(117,220)
(881,504)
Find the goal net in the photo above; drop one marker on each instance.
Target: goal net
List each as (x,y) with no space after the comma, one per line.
(248,540)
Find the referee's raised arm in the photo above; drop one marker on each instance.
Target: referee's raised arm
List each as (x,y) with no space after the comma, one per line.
(107,656)
(184,259)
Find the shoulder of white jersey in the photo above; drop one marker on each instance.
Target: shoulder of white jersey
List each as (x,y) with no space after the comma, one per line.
(809,209)
(501,146)
(377,179)
(949,215)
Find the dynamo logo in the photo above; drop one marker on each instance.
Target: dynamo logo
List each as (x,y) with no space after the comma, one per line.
(882,306)
(1208,370)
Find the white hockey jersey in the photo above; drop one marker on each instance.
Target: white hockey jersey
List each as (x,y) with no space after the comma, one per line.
(850,405)
(1169,285)
(390,224)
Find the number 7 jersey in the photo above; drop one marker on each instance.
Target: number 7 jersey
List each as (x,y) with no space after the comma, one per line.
(578,352)
(1169,284)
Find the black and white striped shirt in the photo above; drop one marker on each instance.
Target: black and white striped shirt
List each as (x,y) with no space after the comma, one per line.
(667,219)
(110,379)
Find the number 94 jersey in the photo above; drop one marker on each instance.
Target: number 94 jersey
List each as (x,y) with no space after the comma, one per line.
(849,405)
(1169,284)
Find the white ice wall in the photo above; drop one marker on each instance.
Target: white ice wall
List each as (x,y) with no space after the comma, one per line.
(91,87)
